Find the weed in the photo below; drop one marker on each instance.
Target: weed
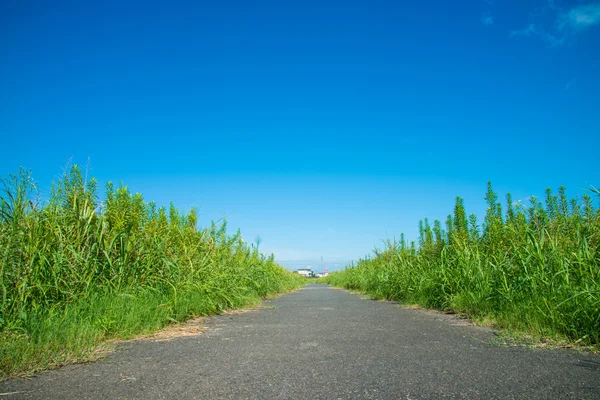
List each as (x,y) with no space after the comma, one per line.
(75,271)
(534,268)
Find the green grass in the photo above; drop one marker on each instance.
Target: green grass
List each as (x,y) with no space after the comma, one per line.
(75,272)
(533,269)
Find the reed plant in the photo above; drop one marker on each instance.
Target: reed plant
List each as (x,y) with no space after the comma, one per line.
(534,268)
(75,271)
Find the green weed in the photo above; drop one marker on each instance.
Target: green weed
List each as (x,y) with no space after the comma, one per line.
(75,271)
(532,269)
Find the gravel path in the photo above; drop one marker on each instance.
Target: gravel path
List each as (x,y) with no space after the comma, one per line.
(322,343)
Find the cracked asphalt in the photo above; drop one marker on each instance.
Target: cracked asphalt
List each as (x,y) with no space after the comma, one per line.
(323,343)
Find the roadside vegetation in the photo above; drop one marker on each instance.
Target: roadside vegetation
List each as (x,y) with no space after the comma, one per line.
(75,271)
(534,269)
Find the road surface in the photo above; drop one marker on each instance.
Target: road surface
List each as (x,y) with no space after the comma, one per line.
(324,343)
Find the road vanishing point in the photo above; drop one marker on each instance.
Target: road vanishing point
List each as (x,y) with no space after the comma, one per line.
(324,343)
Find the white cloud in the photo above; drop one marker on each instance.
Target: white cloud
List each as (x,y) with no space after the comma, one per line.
(580,17)
(536,30)
(570,84)
(530,29)
(567,23)
(489,20)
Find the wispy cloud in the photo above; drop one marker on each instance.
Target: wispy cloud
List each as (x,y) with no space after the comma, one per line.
(489,20)
(566,23)
(529,30)
(570,84)
(581,17)
(537,30)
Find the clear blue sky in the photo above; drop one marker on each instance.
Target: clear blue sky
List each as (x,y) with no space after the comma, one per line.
(322,126)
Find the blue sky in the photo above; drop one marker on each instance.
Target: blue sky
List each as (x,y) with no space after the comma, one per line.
(324,127)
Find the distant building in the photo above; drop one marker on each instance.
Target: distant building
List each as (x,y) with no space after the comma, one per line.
(304,271)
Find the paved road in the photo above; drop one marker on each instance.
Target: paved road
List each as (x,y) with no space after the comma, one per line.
(322,343)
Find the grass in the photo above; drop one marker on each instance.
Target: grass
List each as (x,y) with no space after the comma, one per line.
(76,271)
(533,269)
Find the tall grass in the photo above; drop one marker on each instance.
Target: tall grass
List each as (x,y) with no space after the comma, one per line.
(534,268)
(75,271)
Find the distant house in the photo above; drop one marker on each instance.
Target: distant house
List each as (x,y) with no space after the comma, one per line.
(304,271)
